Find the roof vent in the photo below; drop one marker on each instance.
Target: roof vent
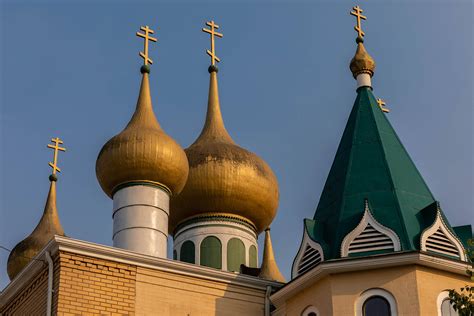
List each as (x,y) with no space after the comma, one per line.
(439,239)
(368,236)
(309,255)
(370,240)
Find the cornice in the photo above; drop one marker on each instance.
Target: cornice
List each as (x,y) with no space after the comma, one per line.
(74,246)
(366,263)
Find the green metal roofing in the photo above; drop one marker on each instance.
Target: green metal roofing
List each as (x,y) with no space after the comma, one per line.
(371,163)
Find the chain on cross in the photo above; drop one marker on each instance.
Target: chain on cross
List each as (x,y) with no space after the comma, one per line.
(358,14)
(56,148)
(147,38)
(212,32)
(381,104)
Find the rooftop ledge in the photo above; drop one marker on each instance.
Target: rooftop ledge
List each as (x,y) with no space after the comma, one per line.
(393,259)
(75,246)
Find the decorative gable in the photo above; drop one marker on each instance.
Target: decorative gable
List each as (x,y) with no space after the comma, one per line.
(369,236)
(439,239)
(309,256)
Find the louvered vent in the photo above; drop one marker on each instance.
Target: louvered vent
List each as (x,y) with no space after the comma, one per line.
(440,243)
(370,240)
(310,259)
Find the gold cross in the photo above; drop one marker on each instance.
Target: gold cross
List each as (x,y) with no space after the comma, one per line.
(381,104)
(147,38)
(56,148)
(213,32)
(357,13)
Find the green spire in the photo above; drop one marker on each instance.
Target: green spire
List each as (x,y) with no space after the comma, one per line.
(371,163)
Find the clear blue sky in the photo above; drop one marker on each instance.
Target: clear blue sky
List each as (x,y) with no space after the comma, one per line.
(72,70)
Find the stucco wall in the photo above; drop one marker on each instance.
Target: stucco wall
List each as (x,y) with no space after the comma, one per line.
(162,293)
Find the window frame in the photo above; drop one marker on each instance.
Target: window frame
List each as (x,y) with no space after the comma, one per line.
(364,296)
(310,309)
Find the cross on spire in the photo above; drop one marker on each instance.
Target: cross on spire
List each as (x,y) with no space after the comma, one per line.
(381,104)
(212,31)
(358,14)
(147,38)
(56,148)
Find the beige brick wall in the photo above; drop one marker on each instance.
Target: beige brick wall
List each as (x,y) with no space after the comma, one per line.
(31,300)
(162,293)
(92,286)
(432,282)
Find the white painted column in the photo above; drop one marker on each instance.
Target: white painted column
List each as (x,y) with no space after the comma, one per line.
(140,215)
(364,80)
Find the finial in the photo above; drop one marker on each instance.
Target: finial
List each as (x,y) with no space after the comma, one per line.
(212,52)
(358,28)
(381,104)
(54,164)
(144,54)
(269,269)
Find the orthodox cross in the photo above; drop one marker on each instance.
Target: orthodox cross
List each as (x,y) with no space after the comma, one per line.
(56,148)
(147,38)
(213,33)
(381,104)
(357,13)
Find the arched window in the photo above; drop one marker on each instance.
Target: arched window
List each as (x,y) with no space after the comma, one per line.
(253,257)
(175,255)
(235,254)
(376,302)
(310,311)
(376,306)
(187,252)
(211,252)
(444,306)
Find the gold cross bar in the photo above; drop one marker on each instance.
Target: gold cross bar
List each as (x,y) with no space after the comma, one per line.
(381,104)
(147,38)
(56,148)
(357,13)
(213,33)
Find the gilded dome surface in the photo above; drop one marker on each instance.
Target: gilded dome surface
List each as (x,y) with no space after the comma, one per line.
(224,177)
(48,226)
(142,153)
(362,62)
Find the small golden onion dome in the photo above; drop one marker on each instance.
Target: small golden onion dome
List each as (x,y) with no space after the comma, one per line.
(142,152)
(362,61)
(48,226)
(223,177)
(269,269)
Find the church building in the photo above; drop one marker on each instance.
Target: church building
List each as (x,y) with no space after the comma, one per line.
(377,244)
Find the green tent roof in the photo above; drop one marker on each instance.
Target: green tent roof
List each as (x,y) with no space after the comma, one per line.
(371,163)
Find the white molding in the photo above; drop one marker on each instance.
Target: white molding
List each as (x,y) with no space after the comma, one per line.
(307,241)
(310,309)
(364,264)
(440,224)
(367,219)
(376,292)
(439,301)
(67,244)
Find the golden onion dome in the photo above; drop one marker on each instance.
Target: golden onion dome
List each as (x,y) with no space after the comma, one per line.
(362,62)
(142,152)
(48,226)
(223,177)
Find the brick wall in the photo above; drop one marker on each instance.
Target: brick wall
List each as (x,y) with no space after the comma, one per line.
(32,299)
(93,286)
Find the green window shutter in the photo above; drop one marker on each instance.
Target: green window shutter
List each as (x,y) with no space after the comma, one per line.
(253,256)
(235,254)
(211,252)
(187,251)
